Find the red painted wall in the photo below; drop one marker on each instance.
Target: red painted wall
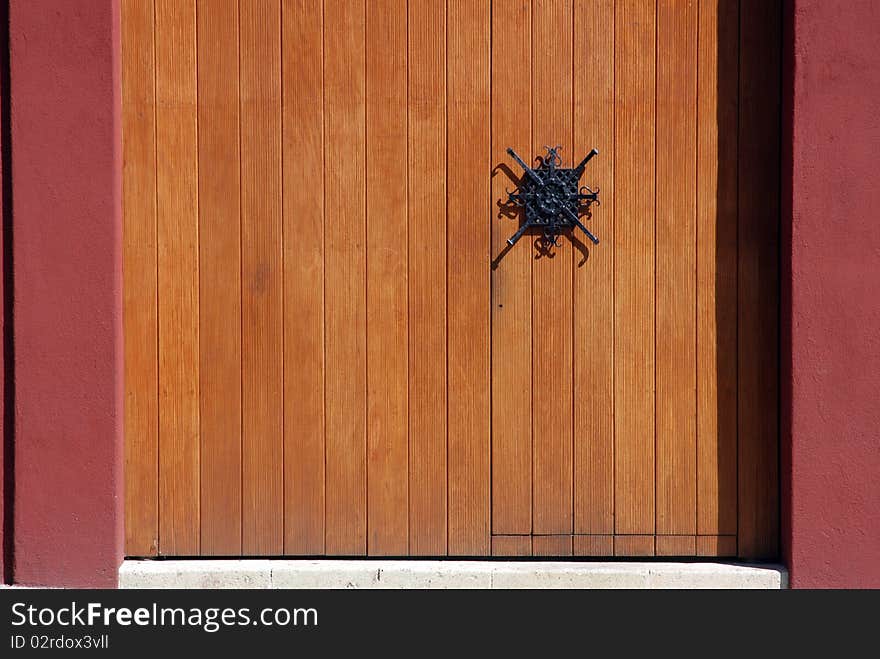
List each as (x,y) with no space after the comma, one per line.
(832,467)
(66,186)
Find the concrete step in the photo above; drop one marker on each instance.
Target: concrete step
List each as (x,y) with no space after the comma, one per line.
(262,573)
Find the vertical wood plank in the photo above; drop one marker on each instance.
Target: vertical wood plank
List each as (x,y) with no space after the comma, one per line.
(387,363)
(178,276)
(676,545)
(634,545)
(468,236)
(635,33)
(303,211)
(760,25)
(511,275)
(511,545)
(676,340)
(593,291)
(345,275)
(717,266)
(261,278)
(552,545)
(426,277)
(593,545)
(219,278)
(552,281)
(716,545)
(139,278)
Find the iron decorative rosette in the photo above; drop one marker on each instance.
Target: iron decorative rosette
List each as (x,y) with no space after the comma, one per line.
(552,198)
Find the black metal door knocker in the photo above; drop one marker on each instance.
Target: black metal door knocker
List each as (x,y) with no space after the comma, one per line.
(551,197)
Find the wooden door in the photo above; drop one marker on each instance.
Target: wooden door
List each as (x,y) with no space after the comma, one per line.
(331,351)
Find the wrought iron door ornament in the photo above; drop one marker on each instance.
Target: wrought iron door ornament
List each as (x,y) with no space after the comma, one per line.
(551,198)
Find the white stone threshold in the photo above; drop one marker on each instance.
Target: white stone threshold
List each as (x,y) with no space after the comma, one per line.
(342,573)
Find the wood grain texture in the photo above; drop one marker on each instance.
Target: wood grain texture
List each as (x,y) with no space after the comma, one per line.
(634,31)
(676,545)
(261,279)
(593,286)
(329,347)
(387,363)
(634,545)
(551,545)
(511,545)
(345,278)
(178,276)
(302,129)
(139,306)
(717,100)
(593,545)
(468,276)
(758,277)
(511,276)
(676,340)
(716,545)
(552,282)
(219,278)
(426,277)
